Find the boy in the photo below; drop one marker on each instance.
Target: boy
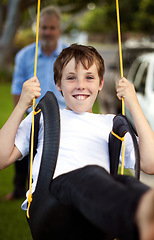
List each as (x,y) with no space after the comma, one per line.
(81,177)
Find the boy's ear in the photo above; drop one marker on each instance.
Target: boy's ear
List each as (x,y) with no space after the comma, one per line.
(101,84)
(58,87)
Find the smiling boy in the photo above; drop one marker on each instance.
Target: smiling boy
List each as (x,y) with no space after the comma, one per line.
(80,85)
(81,176)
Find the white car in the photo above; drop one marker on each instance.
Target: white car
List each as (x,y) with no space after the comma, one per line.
(141,74)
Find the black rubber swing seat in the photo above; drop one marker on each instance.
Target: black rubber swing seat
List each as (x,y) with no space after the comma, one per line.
(49,219)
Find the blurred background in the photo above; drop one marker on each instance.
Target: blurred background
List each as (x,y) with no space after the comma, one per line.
(89,23)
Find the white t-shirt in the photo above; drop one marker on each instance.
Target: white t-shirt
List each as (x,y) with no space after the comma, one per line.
(83,141)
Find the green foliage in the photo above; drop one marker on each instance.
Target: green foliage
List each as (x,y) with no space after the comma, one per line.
(128,11)
(144,20)
(96,107)
(103,19)
(4,1)
(23,38)
(75,6)
(6,103)
(5,74)
(98,20)
(135,15)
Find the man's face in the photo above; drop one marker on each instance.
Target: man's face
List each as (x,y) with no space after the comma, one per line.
(49,31)
(80,86)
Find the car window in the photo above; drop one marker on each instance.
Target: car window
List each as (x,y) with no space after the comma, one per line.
(141,76)
(153,80)
(133,71)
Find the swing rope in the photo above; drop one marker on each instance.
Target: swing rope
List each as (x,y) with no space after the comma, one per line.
(34,113)
(121,70)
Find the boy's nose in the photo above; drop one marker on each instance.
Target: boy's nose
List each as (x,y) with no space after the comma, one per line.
(80,84)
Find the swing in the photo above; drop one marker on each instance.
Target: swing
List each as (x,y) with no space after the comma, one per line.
(46,215)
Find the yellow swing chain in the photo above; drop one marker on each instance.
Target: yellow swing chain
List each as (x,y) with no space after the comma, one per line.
(34,113)
(121,69)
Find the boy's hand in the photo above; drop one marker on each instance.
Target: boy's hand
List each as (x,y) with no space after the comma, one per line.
(126,90)
(31,89)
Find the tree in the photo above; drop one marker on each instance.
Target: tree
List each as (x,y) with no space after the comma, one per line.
(103,18)
(144,18)
(135,15)
(10,16)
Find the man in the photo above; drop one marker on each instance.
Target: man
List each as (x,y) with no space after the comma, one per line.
(49,48)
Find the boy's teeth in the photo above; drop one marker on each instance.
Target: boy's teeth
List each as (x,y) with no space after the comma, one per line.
(81,97)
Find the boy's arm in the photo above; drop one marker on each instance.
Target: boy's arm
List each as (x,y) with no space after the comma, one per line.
(126,90)
(8,152)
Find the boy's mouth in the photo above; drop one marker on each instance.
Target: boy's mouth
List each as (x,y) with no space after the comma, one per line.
(81,96)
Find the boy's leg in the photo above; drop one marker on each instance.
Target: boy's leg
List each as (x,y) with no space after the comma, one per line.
(108,203)
(145,216)
(20,180)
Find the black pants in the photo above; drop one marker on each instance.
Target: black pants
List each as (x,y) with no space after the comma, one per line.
(109,202)
(20,178)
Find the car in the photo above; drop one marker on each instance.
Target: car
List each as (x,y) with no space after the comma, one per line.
(130,51)
(141,74)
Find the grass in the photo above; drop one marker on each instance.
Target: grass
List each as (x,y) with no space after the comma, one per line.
(13,223)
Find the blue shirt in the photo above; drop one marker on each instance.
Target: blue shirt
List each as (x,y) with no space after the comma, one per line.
(24,70)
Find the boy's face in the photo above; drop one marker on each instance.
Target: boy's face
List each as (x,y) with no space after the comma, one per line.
(80,86)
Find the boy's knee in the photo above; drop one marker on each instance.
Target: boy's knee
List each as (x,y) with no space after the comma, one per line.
(93,170)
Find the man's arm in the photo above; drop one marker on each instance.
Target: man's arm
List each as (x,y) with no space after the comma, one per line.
(19,76)
(126,90)
(8,152)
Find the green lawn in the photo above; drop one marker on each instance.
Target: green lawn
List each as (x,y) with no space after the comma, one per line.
(13,223)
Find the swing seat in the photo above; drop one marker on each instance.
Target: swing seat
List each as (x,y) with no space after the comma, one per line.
(49,219)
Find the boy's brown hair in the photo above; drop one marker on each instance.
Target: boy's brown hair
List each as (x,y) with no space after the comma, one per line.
(87,55)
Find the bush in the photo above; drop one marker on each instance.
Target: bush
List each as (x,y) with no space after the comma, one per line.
(23,38)
(6,74)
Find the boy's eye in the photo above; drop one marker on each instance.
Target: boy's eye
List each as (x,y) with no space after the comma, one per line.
(70,77)
(90,77)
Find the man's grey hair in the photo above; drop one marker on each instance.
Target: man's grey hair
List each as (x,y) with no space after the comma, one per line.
(51,11)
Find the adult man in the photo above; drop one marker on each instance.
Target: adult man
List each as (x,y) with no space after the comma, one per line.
(49,48)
